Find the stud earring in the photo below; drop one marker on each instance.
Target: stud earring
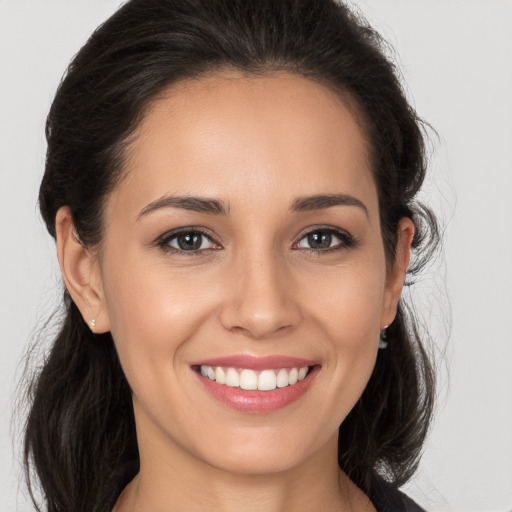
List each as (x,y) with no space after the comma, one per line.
(93,323)
(382,340)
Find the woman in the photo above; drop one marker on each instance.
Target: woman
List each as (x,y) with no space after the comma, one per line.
(231,185)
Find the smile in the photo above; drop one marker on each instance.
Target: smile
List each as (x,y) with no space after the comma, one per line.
(248,379)
(256,385)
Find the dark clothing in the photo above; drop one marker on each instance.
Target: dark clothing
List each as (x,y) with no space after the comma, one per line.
(384,498)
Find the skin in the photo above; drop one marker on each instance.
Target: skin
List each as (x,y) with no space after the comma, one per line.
(256,145)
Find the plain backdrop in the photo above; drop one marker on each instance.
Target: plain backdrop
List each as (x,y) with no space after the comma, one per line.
(456,59)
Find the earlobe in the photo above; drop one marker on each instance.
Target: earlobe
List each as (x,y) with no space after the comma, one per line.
(80,272)
(398,270)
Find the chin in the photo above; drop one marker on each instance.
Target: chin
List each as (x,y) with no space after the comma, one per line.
(265,453)
(258,461)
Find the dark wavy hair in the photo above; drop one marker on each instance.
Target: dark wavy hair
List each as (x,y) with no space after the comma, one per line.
(80,431)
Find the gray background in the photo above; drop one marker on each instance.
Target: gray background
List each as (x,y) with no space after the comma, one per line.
(456,57)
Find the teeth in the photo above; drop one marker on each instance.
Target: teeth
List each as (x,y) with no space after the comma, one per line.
(265,380)
(232,378)
(302,373)
(220,375)
(248,379)
(282,378)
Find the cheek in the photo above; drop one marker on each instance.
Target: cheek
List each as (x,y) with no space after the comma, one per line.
(348,300)
(153,312)
(348,313)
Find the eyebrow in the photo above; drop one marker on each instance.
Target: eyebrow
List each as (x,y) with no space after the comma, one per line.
(216,207)
(196,204)
(321,202)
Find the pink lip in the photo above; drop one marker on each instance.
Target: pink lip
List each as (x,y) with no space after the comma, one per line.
(258,401)
(257,363)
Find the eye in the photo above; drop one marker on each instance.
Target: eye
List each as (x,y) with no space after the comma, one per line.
(187,241)
(325,239)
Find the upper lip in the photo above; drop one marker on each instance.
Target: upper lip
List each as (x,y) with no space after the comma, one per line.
(256,362)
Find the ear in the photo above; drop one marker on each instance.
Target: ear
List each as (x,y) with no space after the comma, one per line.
(81,273)
(397,271)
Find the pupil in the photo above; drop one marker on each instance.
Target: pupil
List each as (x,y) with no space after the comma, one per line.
(189,241)
(319,240)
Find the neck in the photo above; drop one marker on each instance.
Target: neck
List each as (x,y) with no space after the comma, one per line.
(184,483)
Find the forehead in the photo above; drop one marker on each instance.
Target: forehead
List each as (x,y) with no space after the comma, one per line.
(229,133)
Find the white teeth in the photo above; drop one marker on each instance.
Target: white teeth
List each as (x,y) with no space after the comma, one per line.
(232,378)
(265,380)
(220,375)
(282,378)
(248,379)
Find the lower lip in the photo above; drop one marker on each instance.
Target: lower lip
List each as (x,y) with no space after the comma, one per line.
(258,401)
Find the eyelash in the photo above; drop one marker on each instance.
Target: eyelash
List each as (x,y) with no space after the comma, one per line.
(164,241)
(347,241)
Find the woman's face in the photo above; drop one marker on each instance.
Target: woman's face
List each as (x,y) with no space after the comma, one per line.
(245,241)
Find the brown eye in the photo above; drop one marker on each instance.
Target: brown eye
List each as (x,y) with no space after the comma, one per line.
(189,241)
(323,239)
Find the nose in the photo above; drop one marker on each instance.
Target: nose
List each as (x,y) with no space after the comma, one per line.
(262,298)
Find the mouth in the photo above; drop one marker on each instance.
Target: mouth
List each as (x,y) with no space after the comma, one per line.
(256,385)
(250,380)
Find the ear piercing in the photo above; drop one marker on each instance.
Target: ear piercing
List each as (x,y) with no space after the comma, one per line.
(382,340)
